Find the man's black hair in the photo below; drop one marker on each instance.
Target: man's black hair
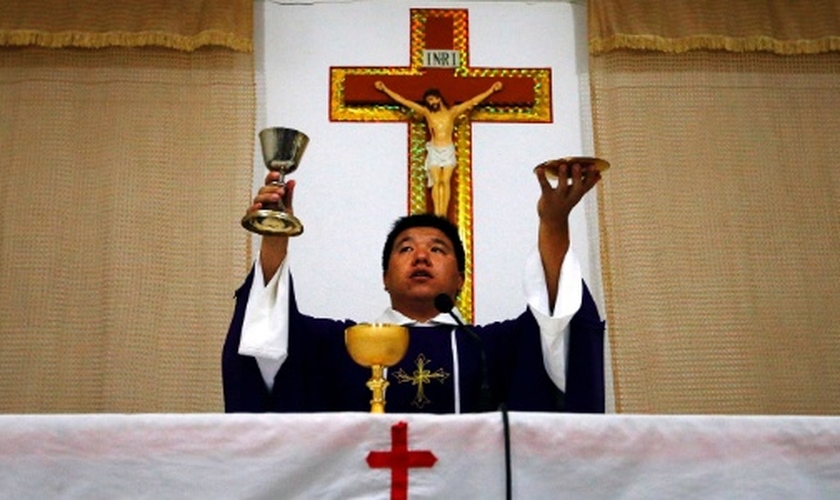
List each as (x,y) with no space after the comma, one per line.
(425,220)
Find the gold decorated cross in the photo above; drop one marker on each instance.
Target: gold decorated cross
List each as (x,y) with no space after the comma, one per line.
(440,59)
(420,378)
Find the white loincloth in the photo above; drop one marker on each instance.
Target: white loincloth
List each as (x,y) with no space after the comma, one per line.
(438,156)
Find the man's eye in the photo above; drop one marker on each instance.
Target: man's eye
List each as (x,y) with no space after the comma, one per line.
(404,249)
(439,250)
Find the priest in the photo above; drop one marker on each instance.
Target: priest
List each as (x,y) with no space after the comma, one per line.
(550,358)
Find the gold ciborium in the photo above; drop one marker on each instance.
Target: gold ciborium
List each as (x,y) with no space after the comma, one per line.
(377,346)
(587,164)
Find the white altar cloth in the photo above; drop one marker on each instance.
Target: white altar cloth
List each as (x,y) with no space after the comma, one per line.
(325,456)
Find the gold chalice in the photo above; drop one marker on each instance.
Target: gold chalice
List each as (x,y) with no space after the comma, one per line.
(376,345)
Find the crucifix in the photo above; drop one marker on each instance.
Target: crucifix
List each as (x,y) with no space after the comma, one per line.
(439,60)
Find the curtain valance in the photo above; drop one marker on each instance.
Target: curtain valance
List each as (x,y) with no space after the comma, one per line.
(182,25)
(777,26)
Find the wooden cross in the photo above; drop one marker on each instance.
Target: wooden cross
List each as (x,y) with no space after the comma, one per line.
(440,59)
(420,378)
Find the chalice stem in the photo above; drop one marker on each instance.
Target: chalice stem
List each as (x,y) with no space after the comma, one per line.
(377,385)
(277,205)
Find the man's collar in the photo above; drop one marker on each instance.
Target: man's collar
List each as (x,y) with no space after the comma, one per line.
(393,316)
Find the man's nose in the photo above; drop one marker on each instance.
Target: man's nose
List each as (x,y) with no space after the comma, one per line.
(421,255)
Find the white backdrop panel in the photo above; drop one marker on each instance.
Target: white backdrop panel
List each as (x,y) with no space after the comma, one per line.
(352,182)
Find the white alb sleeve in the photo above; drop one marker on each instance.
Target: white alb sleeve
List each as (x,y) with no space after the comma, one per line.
(554,327)
(265,327)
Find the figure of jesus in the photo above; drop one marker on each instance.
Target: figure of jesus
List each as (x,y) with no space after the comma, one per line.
(440,150)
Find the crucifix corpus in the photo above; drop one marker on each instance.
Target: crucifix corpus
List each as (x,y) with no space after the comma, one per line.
(440,95)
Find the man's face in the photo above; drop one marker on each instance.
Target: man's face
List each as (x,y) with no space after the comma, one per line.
(422,265)
(433,102)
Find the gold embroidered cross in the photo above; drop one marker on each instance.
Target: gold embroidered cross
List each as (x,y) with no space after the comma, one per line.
(421,377)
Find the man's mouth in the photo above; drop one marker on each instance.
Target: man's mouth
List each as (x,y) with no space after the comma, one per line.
(421,273)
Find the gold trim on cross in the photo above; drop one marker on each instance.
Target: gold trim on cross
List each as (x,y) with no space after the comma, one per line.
(420,377)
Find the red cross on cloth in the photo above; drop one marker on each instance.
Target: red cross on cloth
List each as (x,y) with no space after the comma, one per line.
(399,460)
(443,33)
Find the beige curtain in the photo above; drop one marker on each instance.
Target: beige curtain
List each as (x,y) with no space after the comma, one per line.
(720,219)
(124,173)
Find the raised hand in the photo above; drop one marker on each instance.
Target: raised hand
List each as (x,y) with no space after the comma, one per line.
(573,182)
(273,249)
(554,206)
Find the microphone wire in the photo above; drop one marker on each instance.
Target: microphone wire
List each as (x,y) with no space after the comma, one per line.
(444,304)
(506,434)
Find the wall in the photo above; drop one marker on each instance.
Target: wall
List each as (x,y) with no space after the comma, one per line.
(352,180)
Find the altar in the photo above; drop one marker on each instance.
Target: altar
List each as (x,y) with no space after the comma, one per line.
(358,455)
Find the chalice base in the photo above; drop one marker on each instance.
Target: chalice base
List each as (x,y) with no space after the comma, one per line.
(272,223)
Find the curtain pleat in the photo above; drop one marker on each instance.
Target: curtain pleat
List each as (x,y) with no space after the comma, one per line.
(182,25)
(777,26)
